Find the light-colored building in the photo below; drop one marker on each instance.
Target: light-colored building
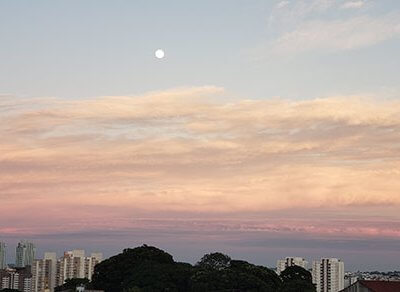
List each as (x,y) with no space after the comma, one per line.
(282,264)
(349,279)
(18,279)
(328,275)
(3,253)
(25,254)
(74,264)
(91,262)
(51,272)
(44,273)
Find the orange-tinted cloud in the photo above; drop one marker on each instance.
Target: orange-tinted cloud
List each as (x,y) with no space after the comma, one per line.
(188,150)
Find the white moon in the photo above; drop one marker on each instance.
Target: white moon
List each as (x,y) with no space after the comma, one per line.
(159,54)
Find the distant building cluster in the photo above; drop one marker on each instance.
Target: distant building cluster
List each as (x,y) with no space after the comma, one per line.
(374,275)
(16,278)
(328,276)
(30,274)
(327,273)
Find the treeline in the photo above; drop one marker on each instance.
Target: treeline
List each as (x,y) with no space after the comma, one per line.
(149,269)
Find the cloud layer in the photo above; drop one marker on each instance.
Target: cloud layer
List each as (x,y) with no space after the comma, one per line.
(322,26)
(337,35)
(187,151)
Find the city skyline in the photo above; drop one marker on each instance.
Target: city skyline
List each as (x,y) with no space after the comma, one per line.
(38,274)
(280,265)
(47,272)
(268,128)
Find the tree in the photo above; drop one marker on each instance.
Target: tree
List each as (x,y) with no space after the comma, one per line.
(296,279)
(71,284)
(217,272)
(214,261)
(268,280)
(144,268)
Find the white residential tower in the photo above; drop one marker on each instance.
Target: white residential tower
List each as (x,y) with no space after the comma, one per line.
(328,275)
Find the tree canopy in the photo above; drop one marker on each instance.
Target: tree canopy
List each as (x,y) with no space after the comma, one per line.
(296,279)
(144,268)
(148,269)
(217,272)
(71,284)
(214,261)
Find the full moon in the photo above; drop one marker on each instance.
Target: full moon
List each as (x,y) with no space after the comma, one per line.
(159,54)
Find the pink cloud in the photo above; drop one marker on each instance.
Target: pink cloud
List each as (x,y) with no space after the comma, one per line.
(106,159)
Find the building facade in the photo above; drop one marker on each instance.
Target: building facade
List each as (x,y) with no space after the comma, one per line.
(349,279)
(282,264)
(91,262)
(51,272)
(74,264)
(328,275)
(44,273)
(25,254)
(3,253)
(71,265)
(18,279)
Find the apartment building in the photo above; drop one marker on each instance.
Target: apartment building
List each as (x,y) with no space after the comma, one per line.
(328,275)
(282,264)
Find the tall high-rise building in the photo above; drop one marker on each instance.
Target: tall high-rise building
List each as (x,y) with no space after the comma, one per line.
(328,275)
(3,263)
(25,254)
(44,273)
(282,264)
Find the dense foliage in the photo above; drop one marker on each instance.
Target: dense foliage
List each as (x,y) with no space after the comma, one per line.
(149,269)
(217,272)
(71,284)
(296,279)
(145,267)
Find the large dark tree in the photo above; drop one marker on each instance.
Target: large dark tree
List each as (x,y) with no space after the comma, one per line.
(217,272)
(144,268)
(297,279)
(268,280)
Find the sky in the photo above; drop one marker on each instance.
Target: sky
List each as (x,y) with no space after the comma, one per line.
(270,128)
